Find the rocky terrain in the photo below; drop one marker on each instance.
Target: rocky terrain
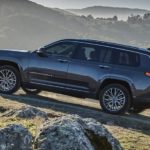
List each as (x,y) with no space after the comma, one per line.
(33,121)
(15,137)
(61,133)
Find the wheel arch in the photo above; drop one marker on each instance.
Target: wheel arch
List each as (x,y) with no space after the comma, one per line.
(10,63)
(13,64)
(108,81)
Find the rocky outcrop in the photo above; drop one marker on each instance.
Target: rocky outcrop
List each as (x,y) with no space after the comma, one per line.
(27,112)
(30,112)
(15,137)
(69,132)
(75,133)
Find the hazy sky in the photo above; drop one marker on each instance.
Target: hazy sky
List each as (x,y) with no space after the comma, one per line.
(145,4)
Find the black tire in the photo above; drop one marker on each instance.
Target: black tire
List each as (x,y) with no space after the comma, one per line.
(137,109)
(125,97)
(31,91)
(14,73)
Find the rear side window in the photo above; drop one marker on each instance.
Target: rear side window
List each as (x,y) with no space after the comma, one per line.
(120,57)
(88,52)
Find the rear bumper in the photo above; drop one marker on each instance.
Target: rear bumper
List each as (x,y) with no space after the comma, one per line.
(142,96)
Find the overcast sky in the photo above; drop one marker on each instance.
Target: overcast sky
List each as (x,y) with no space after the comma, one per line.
(144,4)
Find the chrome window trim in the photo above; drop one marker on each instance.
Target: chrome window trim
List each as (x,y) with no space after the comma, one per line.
(109,47)
(82,42)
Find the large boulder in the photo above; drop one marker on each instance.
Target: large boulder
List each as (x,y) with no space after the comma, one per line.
(15,137)
(75,133)
(27,112)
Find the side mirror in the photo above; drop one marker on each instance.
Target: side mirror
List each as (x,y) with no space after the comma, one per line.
(41,53)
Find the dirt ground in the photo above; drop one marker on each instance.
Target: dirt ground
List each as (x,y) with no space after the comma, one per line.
(132,129)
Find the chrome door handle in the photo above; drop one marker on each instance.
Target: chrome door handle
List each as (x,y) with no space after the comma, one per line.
(104,67)
(62,60)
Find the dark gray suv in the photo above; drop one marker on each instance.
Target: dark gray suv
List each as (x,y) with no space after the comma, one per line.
(117,75)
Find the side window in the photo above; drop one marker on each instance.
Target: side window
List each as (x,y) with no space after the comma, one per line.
(108,56)
(104,54)
(61,49)
(120,57)
(87,52)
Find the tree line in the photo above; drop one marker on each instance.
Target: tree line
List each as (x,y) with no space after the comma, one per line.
(133,19)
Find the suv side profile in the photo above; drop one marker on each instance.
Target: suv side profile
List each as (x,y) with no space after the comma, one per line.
(116,75)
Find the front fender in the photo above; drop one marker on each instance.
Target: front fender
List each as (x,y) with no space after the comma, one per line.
(22,63)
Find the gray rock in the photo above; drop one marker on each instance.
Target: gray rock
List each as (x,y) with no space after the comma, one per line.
(27,112)
(75,133)
(15,137)
(3,109)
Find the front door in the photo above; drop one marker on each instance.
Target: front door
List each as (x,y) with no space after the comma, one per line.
(51,69)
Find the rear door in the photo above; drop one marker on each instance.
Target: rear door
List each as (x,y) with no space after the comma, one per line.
(86,67)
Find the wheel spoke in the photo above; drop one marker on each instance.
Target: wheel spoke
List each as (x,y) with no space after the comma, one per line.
(114,99)
(2,73)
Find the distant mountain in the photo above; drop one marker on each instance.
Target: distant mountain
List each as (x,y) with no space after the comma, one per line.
(24,24)
(65,12)
(106,12)
(27,25)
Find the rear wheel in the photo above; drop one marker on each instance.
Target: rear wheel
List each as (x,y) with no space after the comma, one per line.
(9,79)
(115,99)
(31,91)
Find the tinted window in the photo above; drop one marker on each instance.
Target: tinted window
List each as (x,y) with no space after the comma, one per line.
(63,49)
(87,52)
(120,57)
(103,54)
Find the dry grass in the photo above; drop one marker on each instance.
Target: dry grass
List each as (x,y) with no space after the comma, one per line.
(9,104)
(131,139)
(31,124)
(72,100)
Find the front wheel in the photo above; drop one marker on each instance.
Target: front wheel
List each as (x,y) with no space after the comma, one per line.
(115,99)
(9,79)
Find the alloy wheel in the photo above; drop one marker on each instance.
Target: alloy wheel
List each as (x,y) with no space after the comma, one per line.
(114,99)
(8,80)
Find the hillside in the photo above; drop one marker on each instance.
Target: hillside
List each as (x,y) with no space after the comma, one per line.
(27,25)
(23,22)
(107,12)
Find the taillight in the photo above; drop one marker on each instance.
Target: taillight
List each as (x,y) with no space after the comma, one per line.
(147,74)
